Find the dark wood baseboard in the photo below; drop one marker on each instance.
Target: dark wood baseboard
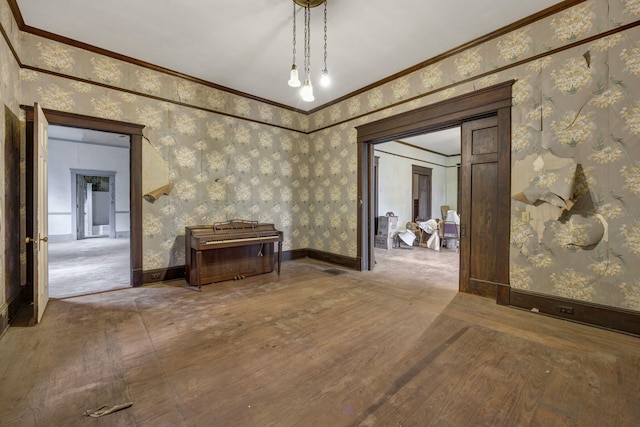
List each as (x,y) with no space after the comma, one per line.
(481,288)
(163,274)
(616,319)
(341,260)
(294,254)
(178,271)
(15,303)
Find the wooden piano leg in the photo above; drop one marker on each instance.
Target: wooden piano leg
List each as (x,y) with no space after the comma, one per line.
(279,255)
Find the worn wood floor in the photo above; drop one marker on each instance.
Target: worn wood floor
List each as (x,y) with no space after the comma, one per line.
(397,347)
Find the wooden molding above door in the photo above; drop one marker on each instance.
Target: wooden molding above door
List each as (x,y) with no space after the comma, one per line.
(62,118)
(442,115)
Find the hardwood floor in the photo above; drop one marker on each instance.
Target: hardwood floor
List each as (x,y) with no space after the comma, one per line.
(317,346)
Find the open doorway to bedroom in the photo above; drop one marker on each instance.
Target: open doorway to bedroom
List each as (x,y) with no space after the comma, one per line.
(89,211)
(417,180)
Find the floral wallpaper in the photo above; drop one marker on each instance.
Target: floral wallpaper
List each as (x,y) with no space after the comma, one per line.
(575,126)
(11,278)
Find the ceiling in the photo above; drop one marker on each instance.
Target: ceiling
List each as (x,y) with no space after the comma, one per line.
(88,136)
(247,45)
(446,142)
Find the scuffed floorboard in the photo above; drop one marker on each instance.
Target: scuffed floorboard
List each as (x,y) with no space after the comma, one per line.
(398,347)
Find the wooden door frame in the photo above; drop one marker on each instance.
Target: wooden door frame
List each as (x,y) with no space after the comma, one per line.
(438,116)
(75,173)
(421,170)
(134,131)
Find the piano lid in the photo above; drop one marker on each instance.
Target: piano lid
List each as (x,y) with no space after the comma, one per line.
(232,227)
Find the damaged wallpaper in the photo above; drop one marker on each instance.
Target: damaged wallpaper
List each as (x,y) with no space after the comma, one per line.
(575,155)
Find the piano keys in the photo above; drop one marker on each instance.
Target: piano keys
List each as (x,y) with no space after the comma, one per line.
(229,250)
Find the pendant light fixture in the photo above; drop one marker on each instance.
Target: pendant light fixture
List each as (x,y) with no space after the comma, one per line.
(306,92)
(294,81)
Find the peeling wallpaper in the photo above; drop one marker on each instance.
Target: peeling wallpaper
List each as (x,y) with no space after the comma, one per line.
(232,157)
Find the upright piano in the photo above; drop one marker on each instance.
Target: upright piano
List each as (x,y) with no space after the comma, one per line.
(230,250)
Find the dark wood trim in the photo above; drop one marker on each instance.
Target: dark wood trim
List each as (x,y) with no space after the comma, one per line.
(422,95)
(163,274)
(413,159)
(157,98)
(100,51)
(425,171)
(425,149)
(441,115)
(17,15)
(135,213)
(445,114)
(15,303)
(616,319)
(332,258)
(504,203)
(81,45)
(178,271)
(329,257)
(294,254)
(62,118)
(487,73)
(473,43)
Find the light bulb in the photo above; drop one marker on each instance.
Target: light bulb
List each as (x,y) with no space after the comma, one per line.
(307,91)
(325,80)
(293,77)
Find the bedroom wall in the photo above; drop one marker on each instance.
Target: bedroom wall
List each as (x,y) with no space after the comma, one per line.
(245,162)
(67,155)
(395,179)
(574,103)
(12,196)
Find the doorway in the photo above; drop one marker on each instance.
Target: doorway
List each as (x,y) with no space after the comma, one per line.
(484,223)
(414,178)
(95,207)
(132,133)
(421,192)
(89,208)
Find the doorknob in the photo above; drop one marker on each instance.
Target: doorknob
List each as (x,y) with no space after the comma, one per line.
(30,240)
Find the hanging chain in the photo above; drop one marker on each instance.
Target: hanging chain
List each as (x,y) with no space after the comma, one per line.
(294,32)
(307,39)
(325,35)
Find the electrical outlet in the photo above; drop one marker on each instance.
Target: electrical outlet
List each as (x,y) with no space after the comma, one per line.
(565,310)
(155,276)
(525,216)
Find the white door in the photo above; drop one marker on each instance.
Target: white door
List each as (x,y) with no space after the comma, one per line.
(40,207)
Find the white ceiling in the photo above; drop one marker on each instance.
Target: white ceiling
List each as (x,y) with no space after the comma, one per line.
(247,45)
(89,136)
(446,142)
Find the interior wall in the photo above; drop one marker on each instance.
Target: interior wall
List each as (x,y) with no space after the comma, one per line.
(575,96)
(395,179)
(12,178)
(67,155)
(574,103)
